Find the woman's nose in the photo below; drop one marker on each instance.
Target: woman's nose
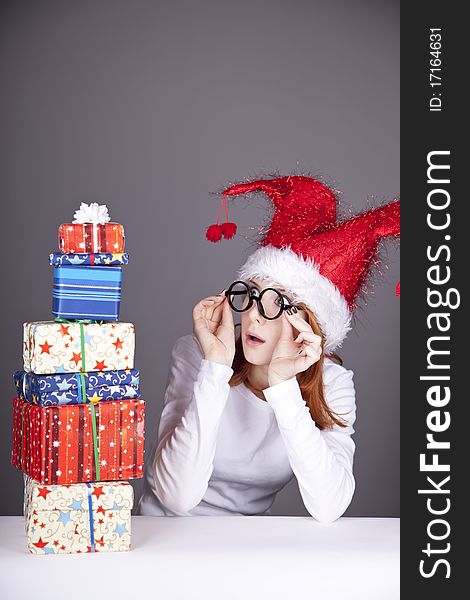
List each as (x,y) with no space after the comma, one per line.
(254,313)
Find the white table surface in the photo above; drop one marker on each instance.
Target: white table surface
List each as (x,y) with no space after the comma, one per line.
(240,558)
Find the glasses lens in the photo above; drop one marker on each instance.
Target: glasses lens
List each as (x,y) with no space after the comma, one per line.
(272,303)
(238,296)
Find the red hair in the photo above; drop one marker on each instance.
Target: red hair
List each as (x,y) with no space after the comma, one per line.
(310,381)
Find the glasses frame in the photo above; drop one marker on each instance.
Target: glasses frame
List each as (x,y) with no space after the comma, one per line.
(254,295)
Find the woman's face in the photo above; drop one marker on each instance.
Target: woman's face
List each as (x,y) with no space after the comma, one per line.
(260,335)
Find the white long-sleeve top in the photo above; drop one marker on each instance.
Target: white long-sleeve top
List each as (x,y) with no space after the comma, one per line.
(221,450)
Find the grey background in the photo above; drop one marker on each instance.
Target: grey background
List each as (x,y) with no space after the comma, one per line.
(150,108)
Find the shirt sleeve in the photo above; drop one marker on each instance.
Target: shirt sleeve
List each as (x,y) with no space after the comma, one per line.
(322,461)
(195,397)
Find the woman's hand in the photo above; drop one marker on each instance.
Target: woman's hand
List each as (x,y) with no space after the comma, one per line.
(292,356)
(213,326)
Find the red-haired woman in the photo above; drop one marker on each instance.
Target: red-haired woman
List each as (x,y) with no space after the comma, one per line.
(244,414)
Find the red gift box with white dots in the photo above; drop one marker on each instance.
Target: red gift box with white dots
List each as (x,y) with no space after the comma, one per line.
(55,444)
(91,237)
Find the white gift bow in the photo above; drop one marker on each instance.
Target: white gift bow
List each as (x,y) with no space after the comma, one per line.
(92,213)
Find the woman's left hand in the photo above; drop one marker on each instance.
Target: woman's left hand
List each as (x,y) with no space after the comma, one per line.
(292,356)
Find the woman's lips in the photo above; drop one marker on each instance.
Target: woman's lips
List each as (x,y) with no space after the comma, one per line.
(252,340)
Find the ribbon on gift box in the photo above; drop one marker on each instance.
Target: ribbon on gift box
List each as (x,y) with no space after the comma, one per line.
(90,517)
(82,392)
(82,334)
(94,213)
(95,442)
(81,387)
(24,387)
(94,435)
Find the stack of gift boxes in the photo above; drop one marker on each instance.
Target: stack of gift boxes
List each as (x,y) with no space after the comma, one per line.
(78,420)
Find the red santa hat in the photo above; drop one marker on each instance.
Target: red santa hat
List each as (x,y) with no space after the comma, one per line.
(319,261)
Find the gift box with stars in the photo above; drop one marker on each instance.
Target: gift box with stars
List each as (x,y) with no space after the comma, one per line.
(78,518)
(91,238)
(87,292)
(79,443)
(77,388)
(70,347)
(83,259)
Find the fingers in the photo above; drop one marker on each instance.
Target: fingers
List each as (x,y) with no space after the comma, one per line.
(227,316)
(312,352)
(299,323)
(206,307)
(308,357)
(309,337)
(287,333)
(226,330)
(206,303)
(306,334)
(303,363)
(310,343)
(207,319)
(218,311)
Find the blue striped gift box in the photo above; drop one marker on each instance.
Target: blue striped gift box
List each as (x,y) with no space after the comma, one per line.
(87,292)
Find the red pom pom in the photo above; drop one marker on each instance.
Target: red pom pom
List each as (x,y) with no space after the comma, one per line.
(397,289)
(228,230)
(214,233)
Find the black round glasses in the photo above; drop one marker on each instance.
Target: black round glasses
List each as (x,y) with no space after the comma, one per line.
(271,303)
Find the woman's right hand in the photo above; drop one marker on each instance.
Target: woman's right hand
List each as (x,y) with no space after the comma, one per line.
(213,326)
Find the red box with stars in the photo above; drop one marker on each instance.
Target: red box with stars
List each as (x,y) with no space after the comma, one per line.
(91,237)
(79,443)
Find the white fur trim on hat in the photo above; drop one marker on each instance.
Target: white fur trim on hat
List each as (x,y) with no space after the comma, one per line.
(302,279)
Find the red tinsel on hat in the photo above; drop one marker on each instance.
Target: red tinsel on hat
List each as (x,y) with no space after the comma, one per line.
(320,261)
